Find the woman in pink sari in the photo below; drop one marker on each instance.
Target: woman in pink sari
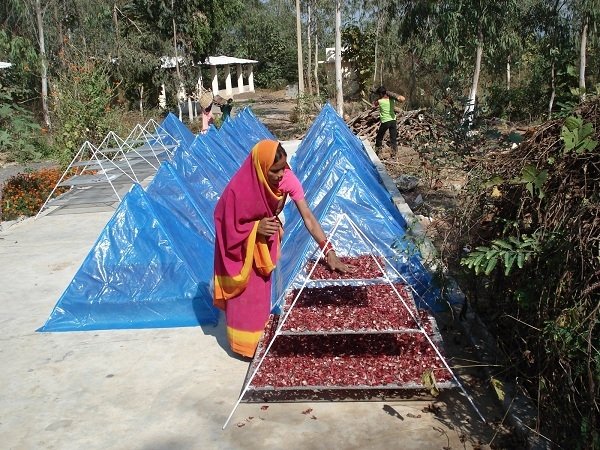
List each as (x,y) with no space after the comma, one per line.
(248,238)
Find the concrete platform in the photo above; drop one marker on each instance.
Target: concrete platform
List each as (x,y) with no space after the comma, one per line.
(164,388)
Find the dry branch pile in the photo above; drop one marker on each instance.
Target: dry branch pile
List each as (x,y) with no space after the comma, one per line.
(547,314)
(412,125)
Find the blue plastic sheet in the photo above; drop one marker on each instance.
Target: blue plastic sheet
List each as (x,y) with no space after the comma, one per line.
(137,276)
(152,264)
(171,192)
(177,130)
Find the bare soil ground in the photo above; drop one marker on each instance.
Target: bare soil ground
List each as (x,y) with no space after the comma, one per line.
(275,109)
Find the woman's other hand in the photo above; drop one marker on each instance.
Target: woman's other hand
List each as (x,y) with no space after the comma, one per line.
(268,226)
(334,263)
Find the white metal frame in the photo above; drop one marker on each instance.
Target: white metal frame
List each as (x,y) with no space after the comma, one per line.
(412,315)
(144,142)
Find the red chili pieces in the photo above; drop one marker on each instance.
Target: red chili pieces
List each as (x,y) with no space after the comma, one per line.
(353,308)
(348,360)
(364,268)
(354,337)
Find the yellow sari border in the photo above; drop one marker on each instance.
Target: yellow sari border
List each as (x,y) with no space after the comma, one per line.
(227,287)
(243,342)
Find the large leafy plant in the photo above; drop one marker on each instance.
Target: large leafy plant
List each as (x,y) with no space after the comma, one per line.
(19,131)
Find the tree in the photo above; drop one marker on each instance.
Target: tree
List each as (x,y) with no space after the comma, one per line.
(194,27)
(26,17)
(358,49)
(585,15)
(299,47)
(43,61)
(464,28)
(481,21)
(338,58)
(267,34)
(551,27)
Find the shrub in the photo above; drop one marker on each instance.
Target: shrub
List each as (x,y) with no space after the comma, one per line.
(81,107)
(25,193)
(19,133)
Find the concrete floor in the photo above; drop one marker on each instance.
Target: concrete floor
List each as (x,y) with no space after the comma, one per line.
(163,388)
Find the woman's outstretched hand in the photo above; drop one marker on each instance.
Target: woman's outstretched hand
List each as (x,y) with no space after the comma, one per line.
(334,263)
(268,226)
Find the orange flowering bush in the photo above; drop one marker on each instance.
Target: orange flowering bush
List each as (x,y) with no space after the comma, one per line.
(25,193)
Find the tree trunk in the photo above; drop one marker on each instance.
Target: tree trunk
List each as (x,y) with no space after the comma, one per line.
(299,44)
(309,46)
(338,59)
(582,56)
(553,91)
(379,25)
(120,88)
(470,108)
(412,84)
(44,63)
(317,67)
(508,73)
(141,90)
(175,43)
(61,35)
(116,21)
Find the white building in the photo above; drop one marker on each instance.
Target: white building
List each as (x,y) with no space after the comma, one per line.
(349,80)
(244,71)
(244,68)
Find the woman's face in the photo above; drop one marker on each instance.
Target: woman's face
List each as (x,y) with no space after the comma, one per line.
(276,172)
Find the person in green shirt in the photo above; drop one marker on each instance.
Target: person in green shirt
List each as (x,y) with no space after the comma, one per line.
(387,117)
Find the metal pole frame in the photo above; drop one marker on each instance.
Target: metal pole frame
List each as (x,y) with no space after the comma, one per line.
(281,323)
(77,155)
(415,318)
(417,321)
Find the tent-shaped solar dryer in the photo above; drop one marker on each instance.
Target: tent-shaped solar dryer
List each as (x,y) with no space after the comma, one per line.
(177,129)
(326,125)
(352,197)
(246,130)
(176,198)
(152,264)
(204,184)
(142,272)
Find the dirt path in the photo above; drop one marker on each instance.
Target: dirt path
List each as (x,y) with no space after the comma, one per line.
(275,110)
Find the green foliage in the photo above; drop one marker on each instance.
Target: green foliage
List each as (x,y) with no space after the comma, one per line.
(359,48)
(577,136)
(547,280)
(267,35)
(19,131)
(507,252)
(533,180)
(567,92)
(22,76)
(82,107)
(565,334)
(523,102)
(200,24)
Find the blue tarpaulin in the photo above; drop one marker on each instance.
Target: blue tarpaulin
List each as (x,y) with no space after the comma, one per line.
(177,129)
(152,263)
